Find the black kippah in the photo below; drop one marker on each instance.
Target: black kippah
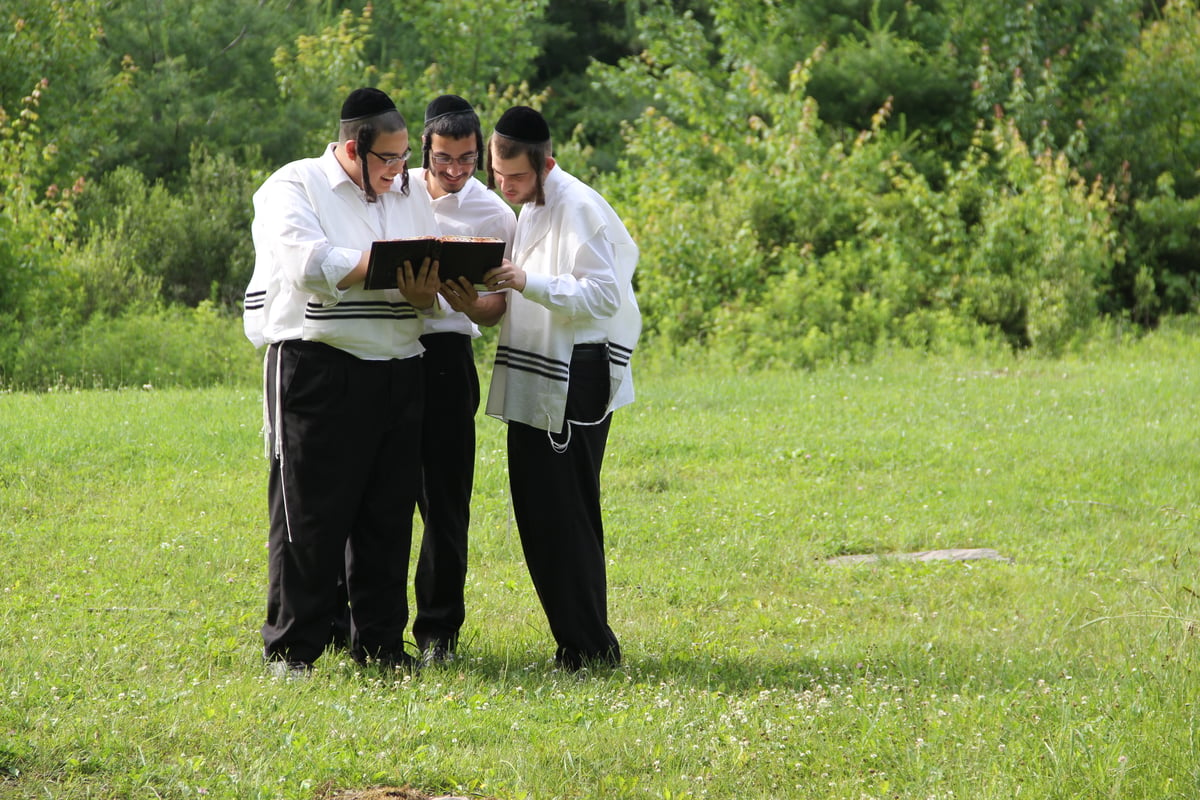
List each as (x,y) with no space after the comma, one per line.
(444,105)
(523,124)
(363,103)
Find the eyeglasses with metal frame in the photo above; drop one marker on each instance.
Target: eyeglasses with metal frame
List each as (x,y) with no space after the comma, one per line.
(391,161)
(444,160)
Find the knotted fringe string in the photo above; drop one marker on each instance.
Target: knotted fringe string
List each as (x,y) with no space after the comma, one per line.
(277,378)
(266,423)
(562,448)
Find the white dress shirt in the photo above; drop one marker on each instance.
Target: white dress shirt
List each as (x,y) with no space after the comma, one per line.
(474,210)
(311,226)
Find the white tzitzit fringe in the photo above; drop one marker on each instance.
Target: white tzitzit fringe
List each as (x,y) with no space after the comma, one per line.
(562,448)
(277,378)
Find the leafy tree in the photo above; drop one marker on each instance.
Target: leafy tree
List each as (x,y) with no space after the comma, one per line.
(875,52)
(42,41)
(316,72)
(1151,114)
(680,185)
(1014,249)
(467,45)
(848,171)
(54,45)
(182,246)
(36,221)
(482,49)
(576,34)
(1147,138)
(812,249)
(1041,63)
(203,74)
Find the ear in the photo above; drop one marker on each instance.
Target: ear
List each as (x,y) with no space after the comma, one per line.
(351,148)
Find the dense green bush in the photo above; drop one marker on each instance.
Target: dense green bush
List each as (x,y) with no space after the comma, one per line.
(181,347)
(146,298)
(1146,134)
(36,220)
(807,182)
(193,243)
(1164,266)
(938,270)
(811,251)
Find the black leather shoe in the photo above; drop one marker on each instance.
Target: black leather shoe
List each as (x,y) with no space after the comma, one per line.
(436,654)
(288,670)
(401,661)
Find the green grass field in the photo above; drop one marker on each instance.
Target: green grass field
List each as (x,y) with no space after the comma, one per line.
(133,529)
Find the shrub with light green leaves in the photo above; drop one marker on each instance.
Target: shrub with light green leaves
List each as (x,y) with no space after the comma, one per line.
(764,237)
(36,218)
(162,347)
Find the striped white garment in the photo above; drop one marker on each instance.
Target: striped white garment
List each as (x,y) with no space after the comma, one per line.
(579,261)
(311,226)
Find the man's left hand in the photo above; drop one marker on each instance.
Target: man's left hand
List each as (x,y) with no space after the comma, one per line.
(506,276)
(461,295)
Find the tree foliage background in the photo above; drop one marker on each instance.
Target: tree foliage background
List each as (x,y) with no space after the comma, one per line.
(808,181)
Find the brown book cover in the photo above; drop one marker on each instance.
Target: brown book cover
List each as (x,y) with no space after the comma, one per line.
(457,256)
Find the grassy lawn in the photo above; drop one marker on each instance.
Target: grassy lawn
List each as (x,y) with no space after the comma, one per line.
(133,530)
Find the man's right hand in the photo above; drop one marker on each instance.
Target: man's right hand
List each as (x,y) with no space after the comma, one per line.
(419,289)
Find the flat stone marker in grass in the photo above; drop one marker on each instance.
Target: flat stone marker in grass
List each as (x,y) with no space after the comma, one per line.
(953,554)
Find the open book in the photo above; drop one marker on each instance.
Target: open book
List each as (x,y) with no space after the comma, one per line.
(457,256)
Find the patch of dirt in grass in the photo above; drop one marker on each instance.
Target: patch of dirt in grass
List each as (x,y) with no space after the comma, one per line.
(393,793)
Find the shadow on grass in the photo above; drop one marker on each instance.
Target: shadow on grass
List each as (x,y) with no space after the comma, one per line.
(898,665)
(724,674)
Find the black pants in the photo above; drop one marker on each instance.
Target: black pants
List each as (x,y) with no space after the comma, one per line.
(448,474)
(556,500)
(342,493)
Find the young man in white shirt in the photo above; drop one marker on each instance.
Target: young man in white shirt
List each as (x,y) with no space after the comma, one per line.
(562,367)
(343,387)
(452,152)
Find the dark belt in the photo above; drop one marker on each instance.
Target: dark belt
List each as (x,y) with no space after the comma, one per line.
(590,352)
(444,336)
(329,351)
(316,348)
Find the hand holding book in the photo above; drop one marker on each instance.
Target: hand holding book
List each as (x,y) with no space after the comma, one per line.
(455,256)
(506,276)
(419,283)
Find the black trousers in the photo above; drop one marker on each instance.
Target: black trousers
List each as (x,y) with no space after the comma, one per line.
(556,500)
(448,475)
(342,493)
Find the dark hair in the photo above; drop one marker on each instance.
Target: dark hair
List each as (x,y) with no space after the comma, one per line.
(537,152)
(458,125)
(365,132)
